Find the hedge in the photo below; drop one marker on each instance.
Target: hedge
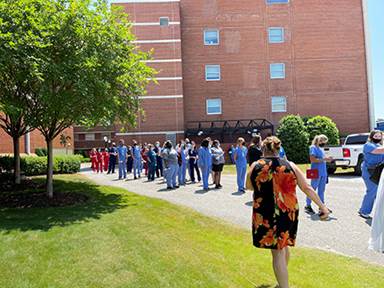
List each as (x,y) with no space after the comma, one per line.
(294,138)
(323,125)
(32,166)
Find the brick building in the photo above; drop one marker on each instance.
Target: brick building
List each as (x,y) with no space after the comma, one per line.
(222,60)
(33,140)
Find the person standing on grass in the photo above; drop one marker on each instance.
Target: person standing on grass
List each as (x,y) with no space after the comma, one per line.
(151,158)
(217,163)
(193,158)
(319,163)
(240,157)
(254,150)
(275,206)
(171,166)
(112,158)
(373,155)
(122,158)
(136,154)
(205,162)
(159,160)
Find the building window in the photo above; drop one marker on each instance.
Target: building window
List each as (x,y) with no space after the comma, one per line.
(164,21)
(276,35)
(277,70)
(277,1)
(213,106)
(90,137)
(212,72)
(279,104)
(211,37)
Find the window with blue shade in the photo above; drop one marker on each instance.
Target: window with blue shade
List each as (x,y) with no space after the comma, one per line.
(214,106)
(212,72)
(211,37)
(277,70)
(277,1)
(279,104)
(276,35)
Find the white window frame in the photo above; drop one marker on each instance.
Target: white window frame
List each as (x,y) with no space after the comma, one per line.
(167,18)
(279,110)
(206,72)
(218,37)
(221,106)
(276,77)
(282,35)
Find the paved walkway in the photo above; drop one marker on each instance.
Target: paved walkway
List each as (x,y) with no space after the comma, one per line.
(345,233)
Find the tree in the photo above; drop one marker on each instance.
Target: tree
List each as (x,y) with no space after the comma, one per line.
(90,71)
(323,125)
(294,138)
(19,39)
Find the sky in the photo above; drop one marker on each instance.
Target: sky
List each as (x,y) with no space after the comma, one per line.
(376,25)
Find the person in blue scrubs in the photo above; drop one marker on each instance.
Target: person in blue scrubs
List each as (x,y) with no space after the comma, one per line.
(205,162)
(136,154)
(171,166)
(319,163)
(183,163)
(151,155)
(282,153)
(240,157)
(122,158)
(373,155)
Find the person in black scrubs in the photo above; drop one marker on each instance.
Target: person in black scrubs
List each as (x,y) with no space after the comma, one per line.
(129,160)
(254,150)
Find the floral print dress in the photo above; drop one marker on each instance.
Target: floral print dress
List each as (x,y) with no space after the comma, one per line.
(275,205)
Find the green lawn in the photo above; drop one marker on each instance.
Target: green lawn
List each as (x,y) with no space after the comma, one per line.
(120,239)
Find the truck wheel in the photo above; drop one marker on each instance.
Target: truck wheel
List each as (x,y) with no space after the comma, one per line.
(357,168)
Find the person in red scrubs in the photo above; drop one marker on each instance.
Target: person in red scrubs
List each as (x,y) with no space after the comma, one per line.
(99,161)
(106,159)
(93,156)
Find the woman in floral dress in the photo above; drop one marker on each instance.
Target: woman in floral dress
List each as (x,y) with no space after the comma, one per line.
(275,205)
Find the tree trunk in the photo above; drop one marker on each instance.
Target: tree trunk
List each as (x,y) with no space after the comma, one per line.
(16,160)
(50,169)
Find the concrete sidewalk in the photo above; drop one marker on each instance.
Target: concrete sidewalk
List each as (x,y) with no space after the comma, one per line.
(346,233)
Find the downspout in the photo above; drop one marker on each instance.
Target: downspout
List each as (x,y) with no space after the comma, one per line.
(371,99)
(27,143)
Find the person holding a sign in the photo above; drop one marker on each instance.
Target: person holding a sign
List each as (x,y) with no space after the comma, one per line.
(318,172)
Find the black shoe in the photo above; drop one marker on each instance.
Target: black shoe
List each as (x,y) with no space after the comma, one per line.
(177,187)
(217,187)
(135,178)
(308,209)
(220,186)
(169,188)
(365,216)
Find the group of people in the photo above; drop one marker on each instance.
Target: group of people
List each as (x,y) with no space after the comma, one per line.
(271,176)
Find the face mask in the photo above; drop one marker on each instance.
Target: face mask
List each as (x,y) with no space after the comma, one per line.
(377,141)
(322,145)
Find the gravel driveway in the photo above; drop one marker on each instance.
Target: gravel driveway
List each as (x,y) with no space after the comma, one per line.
(346,233)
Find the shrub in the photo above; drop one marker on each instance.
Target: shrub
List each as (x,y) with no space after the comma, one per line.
(32,166)
(323,125)
(294,138)
(41,151)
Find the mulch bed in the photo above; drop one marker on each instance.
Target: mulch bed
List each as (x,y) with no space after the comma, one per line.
(40,200)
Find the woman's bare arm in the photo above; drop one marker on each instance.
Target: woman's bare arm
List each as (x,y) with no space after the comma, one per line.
(308,190)
(379,150)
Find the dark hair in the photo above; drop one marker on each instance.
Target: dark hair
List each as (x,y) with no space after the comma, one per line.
(373,133)
(215,142)
(205,143)
(256,139)
(168,144)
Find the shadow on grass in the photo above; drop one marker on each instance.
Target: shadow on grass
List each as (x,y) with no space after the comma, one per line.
(99,203)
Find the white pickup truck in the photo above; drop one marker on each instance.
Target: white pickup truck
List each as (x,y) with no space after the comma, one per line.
(348,155)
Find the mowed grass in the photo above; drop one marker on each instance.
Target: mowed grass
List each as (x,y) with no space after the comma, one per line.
(120,239)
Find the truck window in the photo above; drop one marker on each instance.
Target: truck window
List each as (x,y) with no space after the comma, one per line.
(356,140)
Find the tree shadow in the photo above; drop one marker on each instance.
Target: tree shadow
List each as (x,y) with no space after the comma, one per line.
(99,203)
(265,286)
